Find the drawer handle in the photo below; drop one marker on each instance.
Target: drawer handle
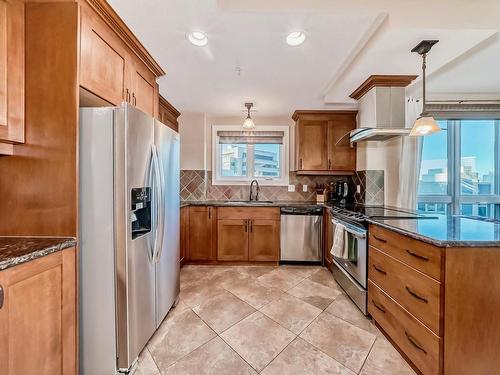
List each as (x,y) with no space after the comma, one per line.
(379,239)
(416,295)
(414,342)
(379,270)
(1,296)
(418,256)
(378,306)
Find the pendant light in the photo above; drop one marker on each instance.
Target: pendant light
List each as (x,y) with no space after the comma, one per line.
(425,124)
(248,123)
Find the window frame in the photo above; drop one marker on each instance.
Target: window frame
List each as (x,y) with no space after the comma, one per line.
(454,199)
(283,180)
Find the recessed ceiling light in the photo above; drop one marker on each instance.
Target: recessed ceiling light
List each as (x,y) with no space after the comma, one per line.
(198,38)
(295,38)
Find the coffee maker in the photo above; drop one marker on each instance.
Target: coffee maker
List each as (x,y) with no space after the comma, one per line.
(341,191)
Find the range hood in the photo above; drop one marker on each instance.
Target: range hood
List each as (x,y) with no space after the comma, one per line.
(381,109)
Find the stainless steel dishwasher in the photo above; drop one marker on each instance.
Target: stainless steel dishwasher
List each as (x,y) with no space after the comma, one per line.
(301,234)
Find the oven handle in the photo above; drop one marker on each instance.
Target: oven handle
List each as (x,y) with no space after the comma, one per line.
(349,228)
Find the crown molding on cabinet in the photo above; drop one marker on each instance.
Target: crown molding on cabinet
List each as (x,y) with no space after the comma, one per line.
(116,23)
(382,80)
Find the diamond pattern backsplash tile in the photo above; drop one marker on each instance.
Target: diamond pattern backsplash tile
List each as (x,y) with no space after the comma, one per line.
(372,187)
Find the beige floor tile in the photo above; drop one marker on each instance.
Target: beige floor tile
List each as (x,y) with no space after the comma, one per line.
(302,358)
(385,360)
(304,271)
(200,292)
(214,357)
(291,313)
(222,311)
(342,307)
(325,277)
(255,271)
(228,277)
(146,365)
(342,341)
(193,273)
(254,293)
(258,339)
(177,337)
(316,294)
(281,278)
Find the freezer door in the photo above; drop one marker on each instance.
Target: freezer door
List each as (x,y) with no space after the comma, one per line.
(136,320)
(167,252)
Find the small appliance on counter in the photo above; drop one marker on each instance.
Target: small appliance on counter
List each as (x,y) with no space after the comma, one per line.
(341,191)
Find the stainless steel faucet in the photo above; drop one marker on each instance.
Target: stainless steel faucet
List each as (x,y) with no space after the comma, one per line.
(257,191)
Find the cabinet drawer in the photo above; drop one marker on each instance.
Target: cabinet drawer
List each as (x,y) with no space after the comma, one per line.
(416,292)
(420,255)
(235,213)
(419,344)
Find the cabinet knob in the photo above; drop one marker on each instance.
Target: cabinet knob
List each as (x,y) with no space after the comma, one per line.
(134,99)
(300,163)
(329,164)
(127,95)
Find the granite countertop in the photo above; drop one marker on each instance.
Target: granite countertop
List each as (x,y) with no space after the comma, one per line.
(252,204)
(17,250)
(447,230)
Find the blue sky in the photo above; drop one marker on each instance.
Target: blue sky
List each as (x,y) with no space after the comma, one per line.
(477,139)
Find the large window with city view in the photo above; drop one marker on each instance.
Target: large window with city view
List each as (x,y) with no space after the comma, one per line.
(460,169)
(239,157)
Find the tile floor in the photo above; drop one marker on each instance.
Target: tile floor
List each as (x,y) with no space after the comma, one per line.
(270,320)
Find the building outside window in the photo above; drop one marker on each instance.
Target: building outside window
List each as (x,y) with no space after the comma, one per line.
(460,169)
(241,156)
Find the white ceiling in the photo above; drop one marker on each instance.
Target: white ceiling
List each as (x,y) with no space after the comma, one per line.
(346,42)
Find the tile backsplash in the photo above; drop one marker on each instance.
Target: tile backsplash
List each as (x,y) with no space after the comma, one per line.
(196,185)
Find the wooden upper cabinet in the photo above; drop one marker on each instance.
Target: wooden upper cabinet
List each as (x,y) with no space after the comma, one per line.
(232,239)
(113,63)
(167,114)
(38,316)
(103,60)
(264,243)
(316,137)
(11,74)
(312,145)
(202,232)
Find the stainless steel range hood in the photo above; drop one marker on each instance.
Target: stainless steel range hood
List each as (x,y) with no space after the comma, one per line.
(376,134)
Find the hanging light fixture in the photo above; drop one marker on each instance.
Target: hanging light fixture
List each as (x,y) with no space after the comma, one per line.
(248,123)
(425,124)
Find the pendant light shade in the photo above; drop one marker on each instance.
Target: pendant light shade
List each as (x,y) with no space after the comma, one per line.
(424,124)
(248,123)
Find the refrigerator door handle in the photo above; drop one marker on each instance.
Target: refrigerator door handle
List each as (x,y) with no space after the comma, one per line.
(154,205)
(160,206)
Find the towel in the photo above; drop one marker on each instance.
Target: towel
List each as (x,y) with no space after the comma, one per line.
(339,248)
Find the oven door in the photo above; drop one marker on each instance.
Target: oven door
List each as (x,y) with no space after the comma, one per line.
(357,265)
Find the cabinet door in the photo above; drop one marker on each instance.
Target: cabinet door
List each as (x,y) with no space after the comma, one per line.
(264,240)
(11,71)
(144,93)
(327,256)
(184,233)
(103,60)
(312,145)
(38,317)
(232,239)
(341,157)
(201,233)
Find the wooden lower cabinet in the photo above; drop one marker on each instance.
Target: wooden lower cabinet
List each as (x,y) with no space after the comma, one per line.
(328,236)
(184,227)
(202,233)
(38,316)
(232,240)
(264,240)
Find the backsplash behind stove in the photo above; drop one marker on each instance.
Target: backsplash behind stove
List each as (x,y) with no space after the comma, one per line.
(196,185)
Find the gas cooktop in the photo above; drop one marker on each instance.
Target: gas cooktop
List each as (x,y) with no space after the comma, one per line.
(360,212)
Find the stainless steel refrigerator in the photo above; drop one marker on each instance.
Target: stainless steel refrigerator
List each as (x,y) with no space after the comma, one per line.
(129,234)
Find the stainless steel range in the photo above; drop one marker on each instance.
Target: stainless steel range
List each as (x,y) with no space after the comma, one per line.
(351,272)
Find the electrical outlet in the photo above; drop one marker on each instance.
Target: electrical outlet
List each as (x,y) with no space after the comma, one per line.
(304,188)
(291,188)
(358,189)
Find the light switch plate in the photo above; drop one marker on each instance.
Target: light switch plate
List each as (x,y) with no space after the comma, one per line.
(358,189)
(304,188)
(291,188)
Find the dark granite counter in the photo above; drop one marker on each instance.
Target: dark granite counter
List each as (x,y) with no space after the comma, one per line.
(447,230)
(252,204)
(17,250)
